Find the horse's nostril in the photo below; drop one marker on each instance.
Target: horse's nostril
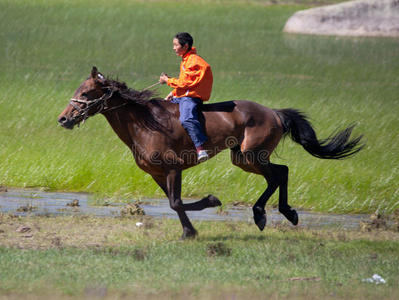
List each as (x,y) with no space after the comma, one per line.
(62,120)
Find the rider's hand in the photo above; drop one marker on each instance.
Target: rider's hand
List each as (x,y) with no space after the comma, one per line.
(169,97)
(163,78)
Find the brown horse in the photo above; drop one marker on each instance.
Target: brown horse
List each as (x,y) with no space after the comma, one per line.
(150,127)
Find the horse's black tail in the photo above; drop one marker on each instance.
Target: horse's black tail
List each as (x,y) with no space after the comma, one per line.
(338,145)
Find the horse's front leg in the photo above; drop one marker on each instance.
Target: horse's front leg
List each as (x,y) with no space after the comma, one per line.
(171,185)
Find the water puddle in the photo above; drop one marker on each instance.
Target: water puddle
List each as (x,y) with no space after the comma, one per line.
(22,202)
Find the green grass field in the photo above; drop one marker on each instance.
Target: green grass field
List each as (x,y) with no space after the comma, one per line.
(49,47)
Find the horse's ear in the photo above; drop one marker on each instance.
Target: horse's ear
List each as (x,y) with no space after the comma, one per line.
(94,73)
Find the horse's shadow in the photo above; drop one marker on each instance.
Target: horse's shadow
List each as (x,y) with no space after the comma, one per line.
(232,236)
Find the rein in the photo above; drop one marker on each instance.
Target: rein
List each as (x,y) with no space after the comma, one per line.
(155,84)
(151,86)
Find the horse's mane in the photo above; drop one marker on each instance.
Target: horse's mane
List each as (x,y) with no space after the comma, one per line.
(143,97)
(148,112)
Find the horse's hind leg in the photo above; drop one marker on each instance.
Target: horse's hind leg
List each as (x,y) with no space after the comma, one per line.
(283,206)
(276,177)
(247,163)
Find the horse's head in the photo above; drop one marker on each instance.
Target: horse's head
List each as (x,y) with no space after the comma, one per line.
(89,99)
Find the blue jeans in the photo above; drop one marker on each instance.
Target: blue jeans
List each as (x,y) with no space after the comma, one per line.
(189,118)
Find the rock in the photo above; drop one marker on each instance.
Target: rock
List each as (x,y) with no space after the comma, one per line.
(132,209)
(26,208)
(377,279)
(353,18)
(74,203)
(23,229)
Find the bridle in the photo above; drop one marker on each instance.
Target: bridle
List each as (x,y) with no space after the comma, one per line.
(101,104)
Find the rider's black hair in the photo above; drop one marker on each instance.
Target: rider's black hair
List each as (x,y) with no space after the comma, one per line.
(184,38)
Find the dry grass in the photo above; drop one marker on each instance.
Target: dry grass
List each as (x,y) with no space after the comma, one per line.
(41,233)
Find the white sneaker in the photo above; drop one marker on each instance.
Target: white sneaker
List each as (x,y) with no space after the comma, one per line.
(202,156)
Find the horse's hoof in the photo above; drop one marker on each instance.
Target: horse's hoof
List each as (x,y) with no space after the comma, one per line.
(189,234)
(214,201)
(261,223)
(295,219)
(260,217)
(291,216)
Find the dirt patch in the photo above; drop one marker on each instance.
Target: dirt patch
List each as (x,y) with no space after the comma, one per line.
(218,249)
(85,232)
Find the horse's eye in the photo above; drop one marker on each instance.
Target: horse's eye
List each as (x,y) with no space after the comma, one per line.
(84,95)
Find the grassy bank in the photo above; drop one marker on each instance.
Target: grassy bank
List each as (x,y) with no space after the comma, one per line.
(49,47)
(111,258)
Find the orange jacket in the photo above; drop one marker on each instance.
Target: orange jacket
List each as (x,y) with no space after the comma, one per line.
(195,79)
